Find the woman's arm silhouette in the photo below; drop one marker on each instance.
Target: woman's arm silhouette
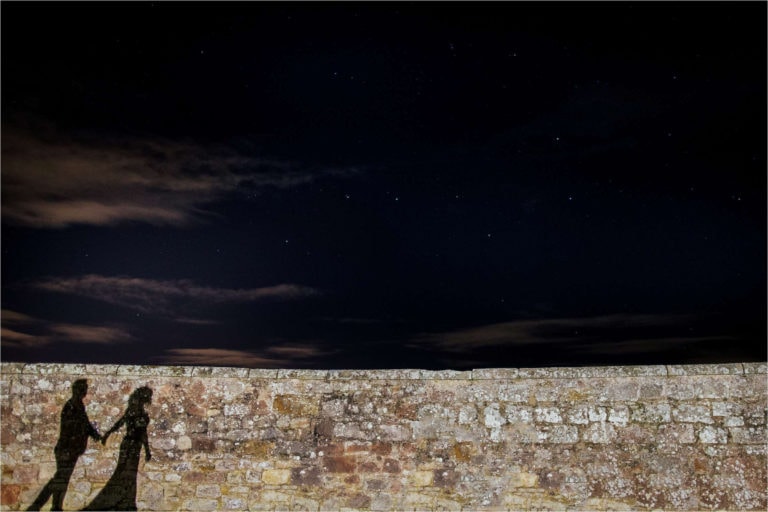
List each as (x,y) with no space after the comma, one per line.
(145,442)
(116,426)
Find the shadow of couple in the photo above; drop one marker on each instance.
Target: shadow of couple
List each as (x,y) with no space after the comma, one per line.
(119,493)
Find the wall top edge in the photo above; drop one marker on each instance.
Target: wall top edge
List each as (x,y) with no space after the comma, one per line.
(10,368)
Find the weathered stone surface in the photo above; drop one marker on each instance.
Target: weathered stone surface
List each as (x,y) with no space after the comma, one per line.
(597,438)
(276,476)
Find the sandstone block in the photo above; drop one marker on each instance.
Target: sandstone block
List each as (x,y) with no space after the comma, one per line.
(524,480)
(9,494)
(381,502)
(295,405)
(276,476)
(208,491)
(308,475)
(339,464)
(184,443)
(201,504)
(421,478)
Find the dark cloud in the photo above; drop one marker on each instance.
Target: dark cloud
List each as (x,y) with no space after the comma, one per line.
(279,356)
(52,181)
(543,331)
(42,332)
(157,296)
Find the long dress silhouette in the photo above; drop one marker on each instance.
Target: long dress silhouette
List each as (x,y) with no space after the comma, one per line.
(73,439)
(120,491)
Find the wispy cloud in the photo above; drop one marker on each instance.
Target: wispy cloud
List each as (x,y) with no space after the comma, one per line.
(546,330)
(89,333)
(12,338)
(42,332)
(646,345)
(53,181)
(280,356)
(150,295)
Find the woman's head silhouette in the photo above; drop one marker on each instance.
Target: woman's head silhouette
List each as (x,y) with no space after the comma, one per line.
(141,396)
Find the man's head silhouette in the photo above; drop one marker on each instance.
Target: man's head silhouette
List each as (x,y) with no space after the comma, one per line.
(80,388)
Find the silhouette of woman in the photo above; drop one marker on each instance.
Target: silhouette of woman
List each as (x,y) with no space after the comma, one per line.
(73,439)
(120,491)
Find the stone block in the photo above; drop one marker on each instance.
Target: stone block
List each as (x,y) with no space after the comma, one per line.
(524,480)
(300,374)
(467,415)
(578,415)
(513,392)
(201,504)
(619,415)
(706,369)
(713,435)
(234,503)
(446,478)
(296,405)
(26,474)
(421,478)
(381,502)
(306,476)
(11,368)
(519,414)
(305,504)
(712,387)
(548,415)
(692,414)
(276,476)
(393,432)
(9,494)
(674,434)
(495,373)
(208,491)
(755,368)
(597,413)
(750,435)
(339,464)
(492,416)
(558,434)
(651,412)
(650,391)
(599,433)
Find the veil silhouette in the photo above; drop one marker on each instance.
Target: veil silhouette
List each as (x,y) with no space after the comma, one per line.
(73,439)
(120,491)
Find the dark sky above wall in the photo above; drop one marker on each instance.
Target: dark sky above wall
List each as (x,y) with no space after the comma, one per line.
(384,185)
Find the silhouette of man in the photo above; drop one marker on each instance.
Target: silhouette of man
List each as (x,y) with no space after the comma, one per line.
(73,439)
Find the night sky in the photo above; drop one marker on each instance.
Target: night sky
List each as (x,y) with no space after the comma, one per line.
(384,185)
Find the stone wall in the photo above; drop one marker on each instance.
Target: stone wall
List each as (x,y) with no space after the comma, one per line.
(603,438)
